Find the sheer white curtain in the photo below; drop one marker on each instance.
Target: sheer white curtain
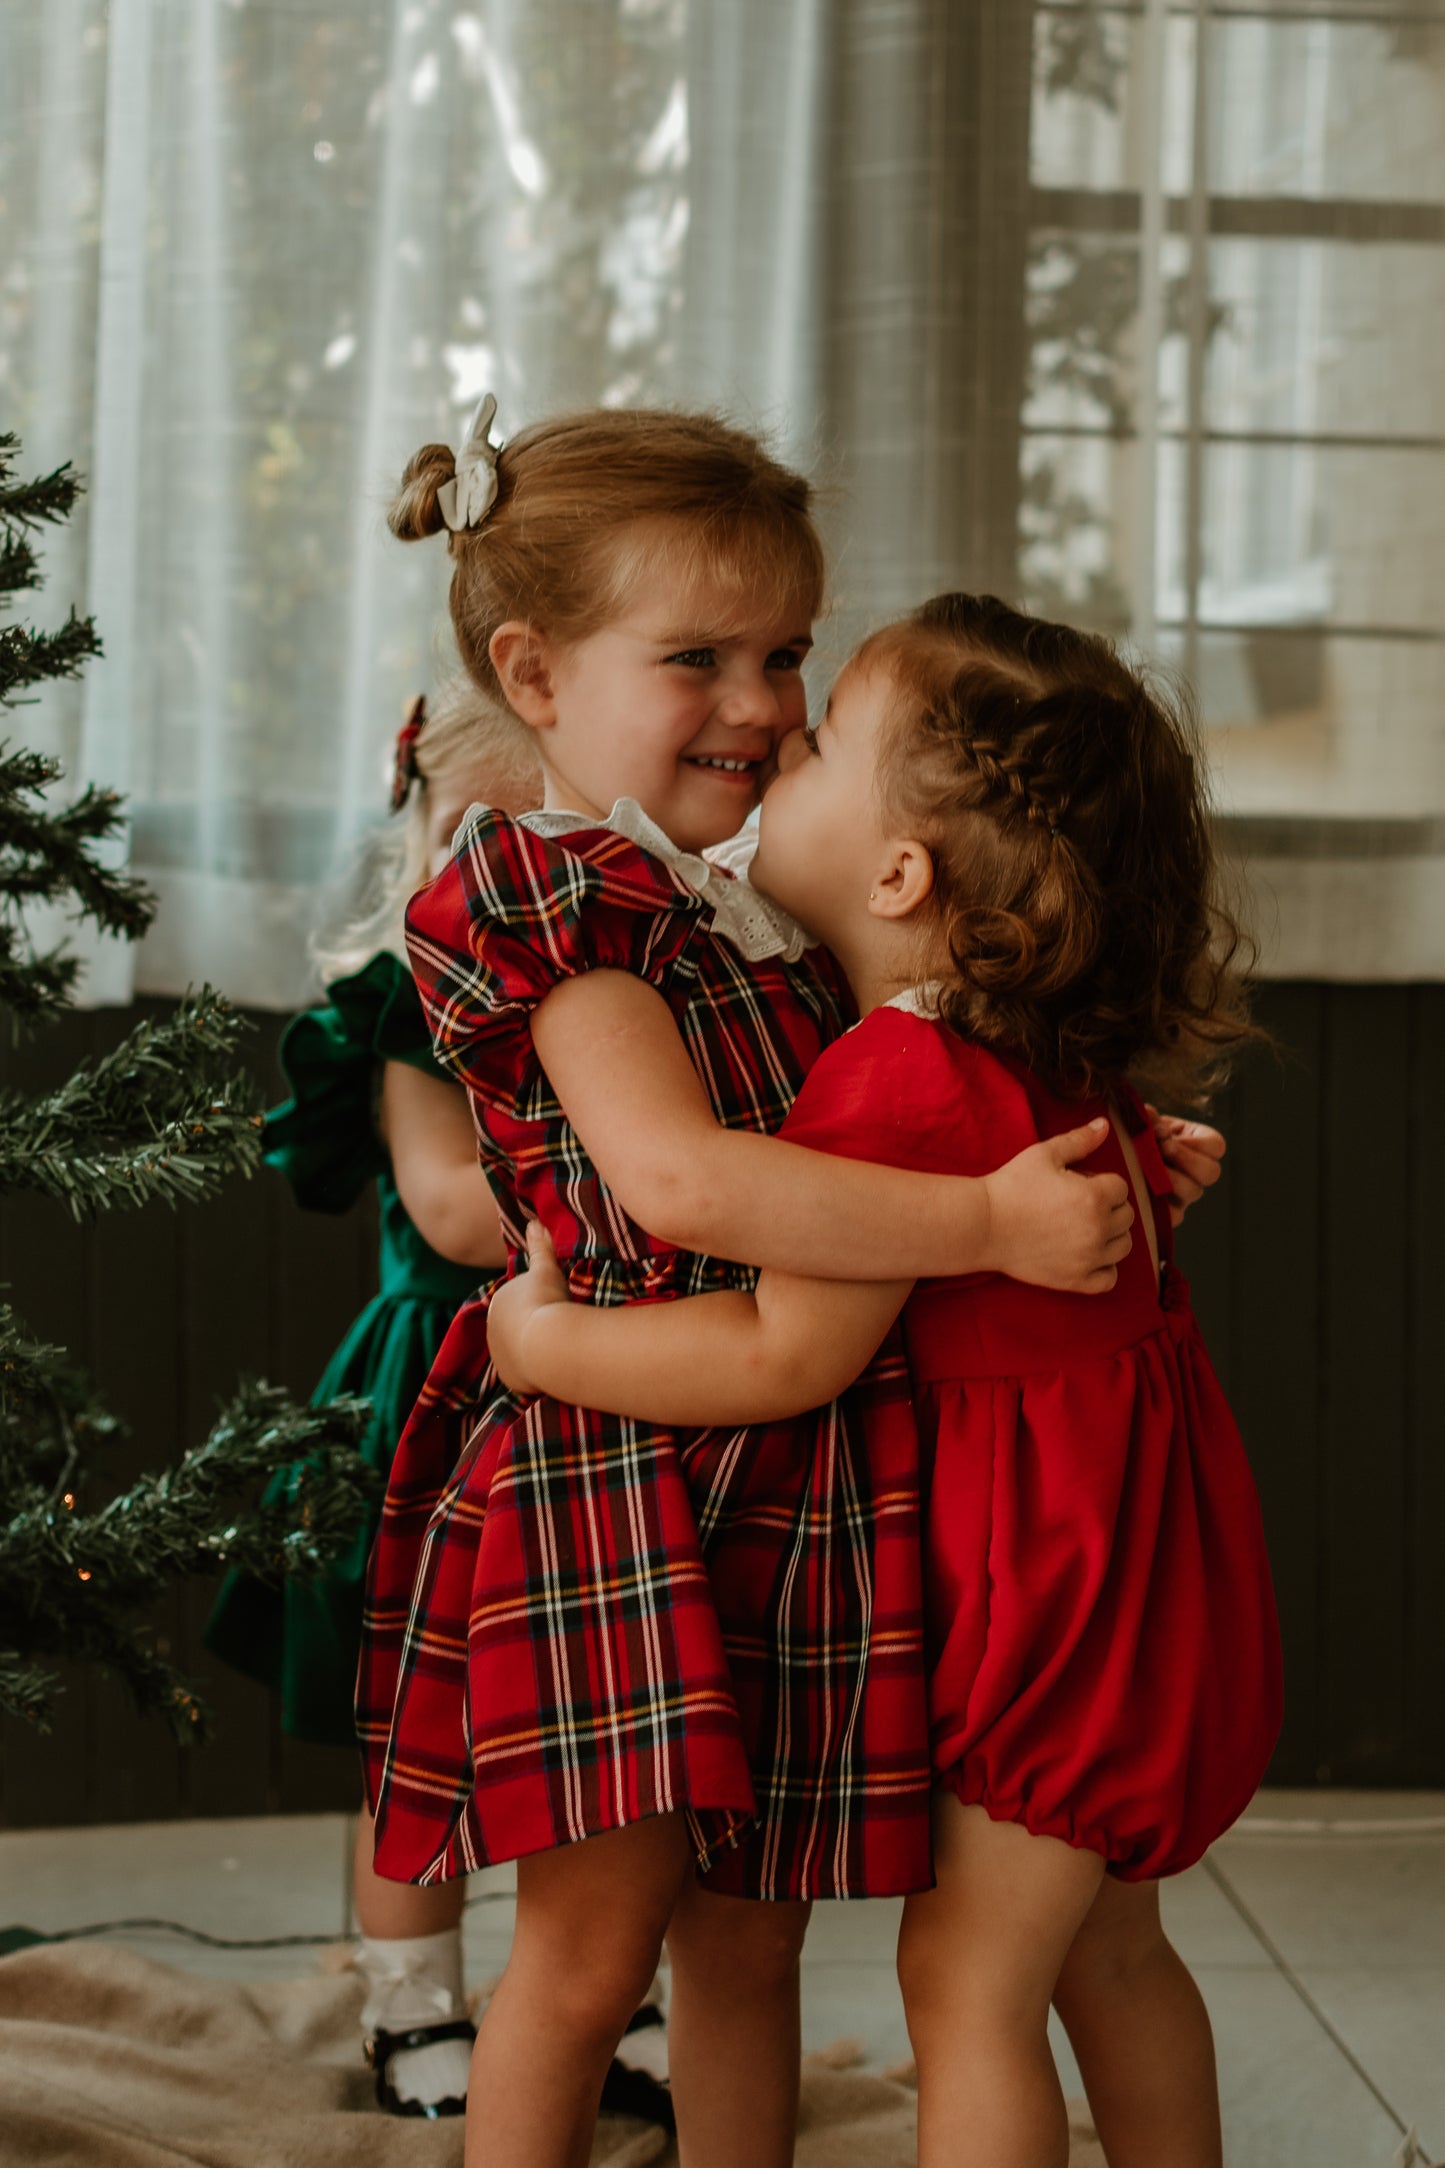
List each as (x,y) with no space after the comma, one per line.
(263,253)
(1127,309)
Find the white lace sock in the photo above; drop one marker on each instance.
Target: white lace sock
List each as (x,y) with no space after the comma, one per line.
(646,2048)
(418,1981)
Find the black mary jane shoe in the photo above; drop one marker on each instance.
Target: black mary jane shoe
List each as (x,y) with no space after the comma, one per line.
(381,2047)
(636,2092)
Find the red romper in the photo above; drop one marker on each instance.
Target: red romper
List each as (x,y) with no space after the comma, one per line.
(576,1621)
(1103,1651)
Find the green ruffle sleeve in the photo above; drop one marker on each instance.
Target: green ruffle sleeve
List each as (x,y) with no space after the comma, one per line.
(303,1639)
(323,1138)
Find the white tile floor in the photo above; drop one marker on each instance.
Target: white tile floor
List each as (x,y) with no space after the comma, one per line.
(1316,1930)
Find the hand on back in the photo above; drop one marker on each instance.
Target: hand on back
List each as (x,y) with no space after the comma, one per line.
(1053,1225)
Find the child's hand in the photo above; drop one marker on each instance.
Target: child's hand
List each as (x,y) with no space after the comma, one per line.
(515,1304)
(1054,1227)
(1192,1152)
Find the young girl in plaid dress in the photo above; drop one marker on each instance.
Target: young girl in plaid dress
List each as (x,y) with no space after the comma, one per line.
(595,1646)
(1001,832)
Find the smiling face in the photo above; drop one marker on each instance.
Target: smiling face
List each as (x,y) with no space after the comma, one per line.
(681,701)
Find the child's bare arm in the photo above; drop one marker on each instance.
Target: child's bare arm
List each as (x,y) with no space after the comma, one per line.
(724,1358)
(427,1128)
(616,1061)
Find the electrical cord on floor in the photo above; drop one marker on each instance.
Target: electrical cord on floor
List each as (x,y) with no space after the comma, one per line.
(1379,1825)
(226,1942)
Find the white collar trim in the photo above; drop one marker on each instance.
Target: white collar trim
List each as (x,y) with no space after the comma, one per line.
(919,1000)
(756,926)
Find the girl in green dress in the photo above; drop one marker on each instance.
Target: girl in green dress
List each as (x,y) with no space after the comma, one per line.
(369,1104)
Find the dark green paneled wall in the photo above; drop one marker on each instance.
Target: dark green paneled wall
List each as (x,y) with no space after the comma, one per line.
(1318,1275)
(1317,1272)
(167,1311)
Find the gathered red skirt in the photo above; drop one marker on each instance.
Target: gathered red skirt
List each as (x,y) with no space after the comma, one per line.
(1103,1650)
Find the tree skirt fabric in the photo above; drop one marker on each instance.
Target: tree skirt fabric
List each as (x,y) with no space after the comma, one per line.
(109,2060)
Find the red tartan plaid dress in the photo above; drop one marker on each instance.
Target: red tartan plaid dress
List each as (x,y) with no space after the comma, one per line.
(575,1620)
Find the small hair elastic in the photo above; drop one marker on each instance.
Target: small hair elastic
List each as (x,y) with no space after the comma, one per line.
(469,496)
(404,769)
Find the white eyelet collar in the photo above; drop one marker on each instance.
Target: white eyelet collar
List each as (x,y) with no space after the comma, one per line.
(919,1000)
(755,926)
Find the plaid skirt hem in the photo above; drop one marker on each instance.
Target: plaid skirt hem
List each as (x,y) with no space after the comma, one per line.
(578,1622)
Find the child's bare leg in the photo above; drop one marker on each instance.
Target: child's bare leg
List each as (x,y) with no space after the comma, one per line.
(589,1928)
(1138,2025)
(411,1961)
(977,1960)
(734,2029)
(391,1911)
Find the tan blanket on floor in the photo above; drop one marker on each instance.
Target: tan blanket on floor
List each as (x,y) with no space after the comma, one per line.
(108,2060)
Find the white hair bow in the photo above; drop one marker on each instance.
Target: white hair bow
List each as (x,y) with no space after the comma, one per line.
(466,500)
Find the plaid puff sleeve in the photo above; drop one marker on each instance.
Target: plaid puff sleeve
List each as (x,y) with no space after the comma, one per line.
(514,914)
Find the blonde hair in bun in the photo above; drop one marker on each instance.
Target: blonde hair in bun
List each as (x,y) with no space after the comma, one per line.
(414,512)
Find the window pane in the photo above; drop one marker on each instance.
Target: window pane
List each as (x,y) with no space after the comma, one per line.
(1315,108)
(1326,337)
(1319,726)
(1076,529)
(1306,533)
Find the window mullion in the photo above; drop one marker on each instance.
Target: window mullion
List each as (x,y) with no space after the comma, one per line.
(1197,335)
(1151,325)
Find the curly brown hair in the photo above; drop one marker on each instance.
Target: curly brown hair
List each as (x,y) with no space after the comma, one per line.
(1062,797)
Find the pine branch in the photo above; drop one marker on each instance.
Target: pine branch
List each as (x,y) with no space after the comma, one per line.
(21,769)
(26,1690)
(50,1417)
(145,1122)
(180,1163)
(46,854)
(28,658)
(68,1578)
(35,986)
(47,499)
(19,566)
(168,1060)
(165,1115)
(104,1638)
(165,1524)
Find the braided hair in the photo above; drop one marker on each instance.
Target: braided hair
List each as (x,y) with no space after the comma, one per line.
(1063,801)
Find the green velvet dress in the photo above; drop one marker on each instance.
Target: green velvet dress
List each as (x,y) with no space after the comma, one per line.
(300,1638)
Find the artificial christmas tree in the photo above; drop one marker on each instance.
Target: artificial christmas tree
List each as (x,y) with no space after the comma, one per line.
(166,1116)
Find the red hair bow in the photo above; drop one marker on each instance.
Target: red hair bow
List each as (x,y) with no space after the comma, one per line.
(404,770)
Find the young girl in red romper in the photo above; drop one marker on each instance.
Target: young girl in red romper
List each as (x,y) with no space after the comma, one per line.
(593,1646)
(1000,832)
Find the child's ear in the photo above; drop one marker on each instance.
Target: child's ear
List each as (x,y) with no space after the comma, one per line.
(904,881)
(522,661)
